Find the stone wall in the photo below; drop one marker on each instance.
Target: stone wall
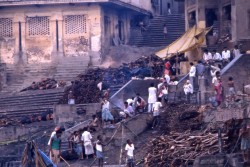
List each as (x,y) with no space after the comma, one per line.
(11,133)
(3,77)
(7,50)
(240,71)
(64,113)
(40,34)
(241,19)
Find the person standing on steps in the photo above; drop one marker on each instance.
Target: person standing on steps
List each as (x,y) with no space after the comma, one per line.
(130,153)
(165,31)
(192,75)
(55,147)
(169,9)
(152,96)
(156,112)
(225,56)
(99,150)
(86,139)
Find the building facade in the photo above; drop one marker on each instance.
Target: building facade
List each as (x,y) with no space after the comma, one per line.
(228,17)
(42,31)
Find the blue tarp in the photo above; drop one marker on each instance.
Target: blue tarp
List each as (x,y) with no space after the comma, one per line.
(46,159)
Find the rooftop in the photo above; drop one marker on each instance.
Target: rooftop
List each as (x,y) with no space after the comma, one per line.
(124,3)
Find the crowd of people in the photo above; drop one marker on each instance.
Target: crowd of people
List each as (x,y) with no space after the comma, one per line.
(82,143)
(209,67)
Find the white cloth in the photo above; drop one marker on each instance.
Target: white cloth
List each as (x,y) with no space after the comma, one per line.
(214,70)
(157,105)
(159,85)
(217,56)
(165,91)
(98,146)
(226,55)
(167,78)
(86,136)
(53,134)
(192,71)
(236,52)
(105,105)
(99,85)
(207,56)
(130,150)
(188,88)
(130,111)
(215,81)
(130,101)
(152,95)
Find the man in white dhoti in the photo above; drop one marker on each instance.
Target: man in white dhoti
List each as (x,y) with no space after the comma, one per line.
(86,138)
(152,97)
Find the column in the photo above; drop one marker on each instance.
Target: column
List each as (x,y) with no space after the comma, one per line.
(19,33)
(56,24)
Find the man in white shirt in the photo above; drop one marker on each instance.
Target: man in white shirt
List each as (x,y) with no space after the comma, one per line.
(128,110)
(188,90)
(152,96)
(207,56)
(130,101)
(216,56)
(225,56)
(167,78)
(130,152)
(86,138)
(192,74)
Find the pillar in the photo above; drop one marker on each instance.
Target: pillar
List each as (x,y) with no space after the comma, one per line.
(19,31)
(56,24)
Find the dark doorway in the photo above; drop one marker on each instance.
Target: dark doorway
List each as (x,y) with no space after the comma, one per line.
(211,18)
(121,30)
(107,29)
(192,19)
(227,12)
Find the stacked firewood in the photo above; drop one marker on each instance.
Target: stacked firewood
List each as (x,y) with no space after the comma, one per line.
(85,90)
(44,84)
(177,149)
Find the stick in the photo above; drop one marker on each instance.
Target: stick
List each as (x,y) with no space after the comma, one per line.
(64,161)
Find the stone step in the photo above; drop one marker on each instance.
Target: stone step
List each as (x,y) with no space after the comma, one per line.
(27,111)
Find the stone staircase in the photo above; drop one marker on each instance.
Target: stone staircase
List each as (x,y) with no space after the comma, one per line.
(153,36)
(69,67)
(19,77)
(29,103)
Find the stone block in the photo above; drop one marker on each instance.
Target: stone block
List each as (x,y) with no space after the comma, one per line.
(247,89)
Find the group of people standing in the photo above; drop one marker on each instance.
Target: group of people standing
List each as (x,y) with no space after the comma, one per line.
(210,67)
(81,142)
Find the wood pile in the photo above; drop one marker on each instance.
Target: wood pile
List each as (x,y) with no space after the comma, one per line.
(44,84)
(177,149)
(85,89)
(183,136)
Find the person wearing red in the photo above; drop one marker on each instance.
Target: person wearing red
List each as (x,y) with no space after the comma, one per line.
(167,66)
